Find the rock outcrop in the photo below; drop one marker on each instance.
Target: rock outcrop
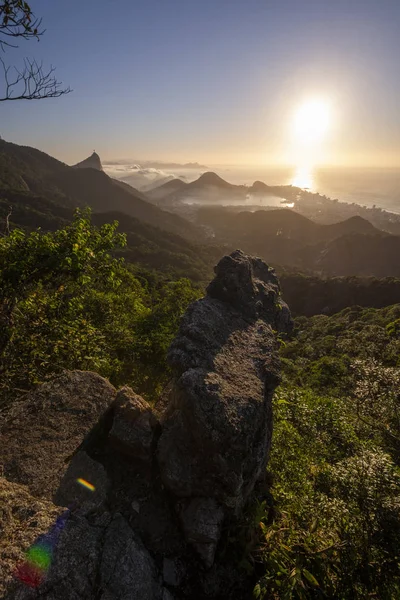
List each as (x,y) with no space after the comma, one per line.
(129,505)
(216,436)
(134,425)
(91,162)
(40,438)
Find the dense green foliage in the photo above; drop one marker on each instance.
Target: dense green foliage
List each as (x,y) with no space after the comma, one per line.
(330,525)
(335,460)
(67,303)
(310,295)
(151,247)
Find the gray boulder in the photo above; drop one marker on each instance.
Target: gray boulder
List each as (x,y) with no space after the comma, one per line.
(38,442)
(127,570)
(202,520)
(93,560)
(211,442)
(85,484)
(133,426)
(23,518)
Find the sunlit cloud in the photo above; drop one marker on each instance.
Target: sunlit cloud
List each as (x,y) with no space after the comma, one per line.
(145,177)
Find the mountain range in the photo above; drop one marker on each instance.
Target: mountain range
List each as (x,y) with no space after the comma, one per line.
(282,236)
(31,172)
(43,191)
(210,188)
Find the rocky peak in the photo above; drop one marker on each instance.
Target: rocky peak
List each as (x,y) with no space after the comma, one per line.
(247,284)
(217,429)
(91,162)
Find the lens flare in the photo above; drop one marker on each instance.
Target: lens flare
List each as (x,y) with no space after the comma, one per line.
(39,556)
(86,484)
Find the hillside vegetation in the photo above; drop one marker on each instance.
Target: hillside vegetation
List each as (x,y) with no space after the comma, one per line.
(67,303)
(331,527)
(310,295)
(330,522)
(25,169)
(284,237)
(105,292)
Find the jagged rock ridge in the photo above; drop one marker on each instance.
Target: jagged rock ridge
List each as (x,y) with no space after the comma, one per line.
(163,481)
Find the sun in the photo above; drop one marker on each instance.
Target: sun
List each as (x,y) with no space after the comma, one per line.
(312,121)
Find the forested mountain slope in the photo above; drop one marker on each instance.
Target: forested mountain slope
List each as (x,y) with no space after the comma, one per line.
(284,237)
(26,169)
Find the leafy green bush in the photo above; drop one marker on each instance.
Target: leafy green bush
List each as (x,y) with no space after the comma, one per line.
(67,303)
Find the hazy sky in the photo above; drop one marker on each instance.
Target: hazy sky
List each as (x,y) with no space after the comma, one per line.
(214,81)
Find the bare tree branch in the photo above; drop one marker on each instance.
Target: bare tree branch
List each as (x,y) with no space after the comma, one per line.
(18,21)
(31,82)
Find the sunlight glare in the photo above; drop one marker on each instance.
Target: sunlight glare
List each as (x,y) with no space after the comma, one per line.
(312,121)
(303,178)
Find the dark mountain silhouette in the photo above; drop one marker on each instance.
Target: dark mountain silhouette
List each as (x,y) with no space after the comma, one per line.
(211,179)
(92,162)
(284,223)
(209,187)
(259,187)
(166,189)
(44,192)
(353,225)
(132,190)
(355,254)
(283,237)
(28,170)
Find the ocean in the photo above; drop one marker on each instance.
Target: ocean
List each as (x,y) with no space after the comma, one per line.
(367,187)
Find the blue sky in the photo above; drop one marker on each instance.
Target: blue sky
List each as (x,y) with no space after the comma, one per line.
(212,80)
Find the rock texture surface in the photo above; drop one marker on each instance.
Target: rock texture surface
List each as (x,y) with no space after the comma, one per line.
(202,519)
(132,507)
(216,435)
(22,519)
(134,425)
(38,442)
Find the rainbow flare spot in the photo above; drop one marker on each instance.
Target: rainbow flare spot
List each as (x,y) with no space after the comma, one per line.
(86,484)
(38,557)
